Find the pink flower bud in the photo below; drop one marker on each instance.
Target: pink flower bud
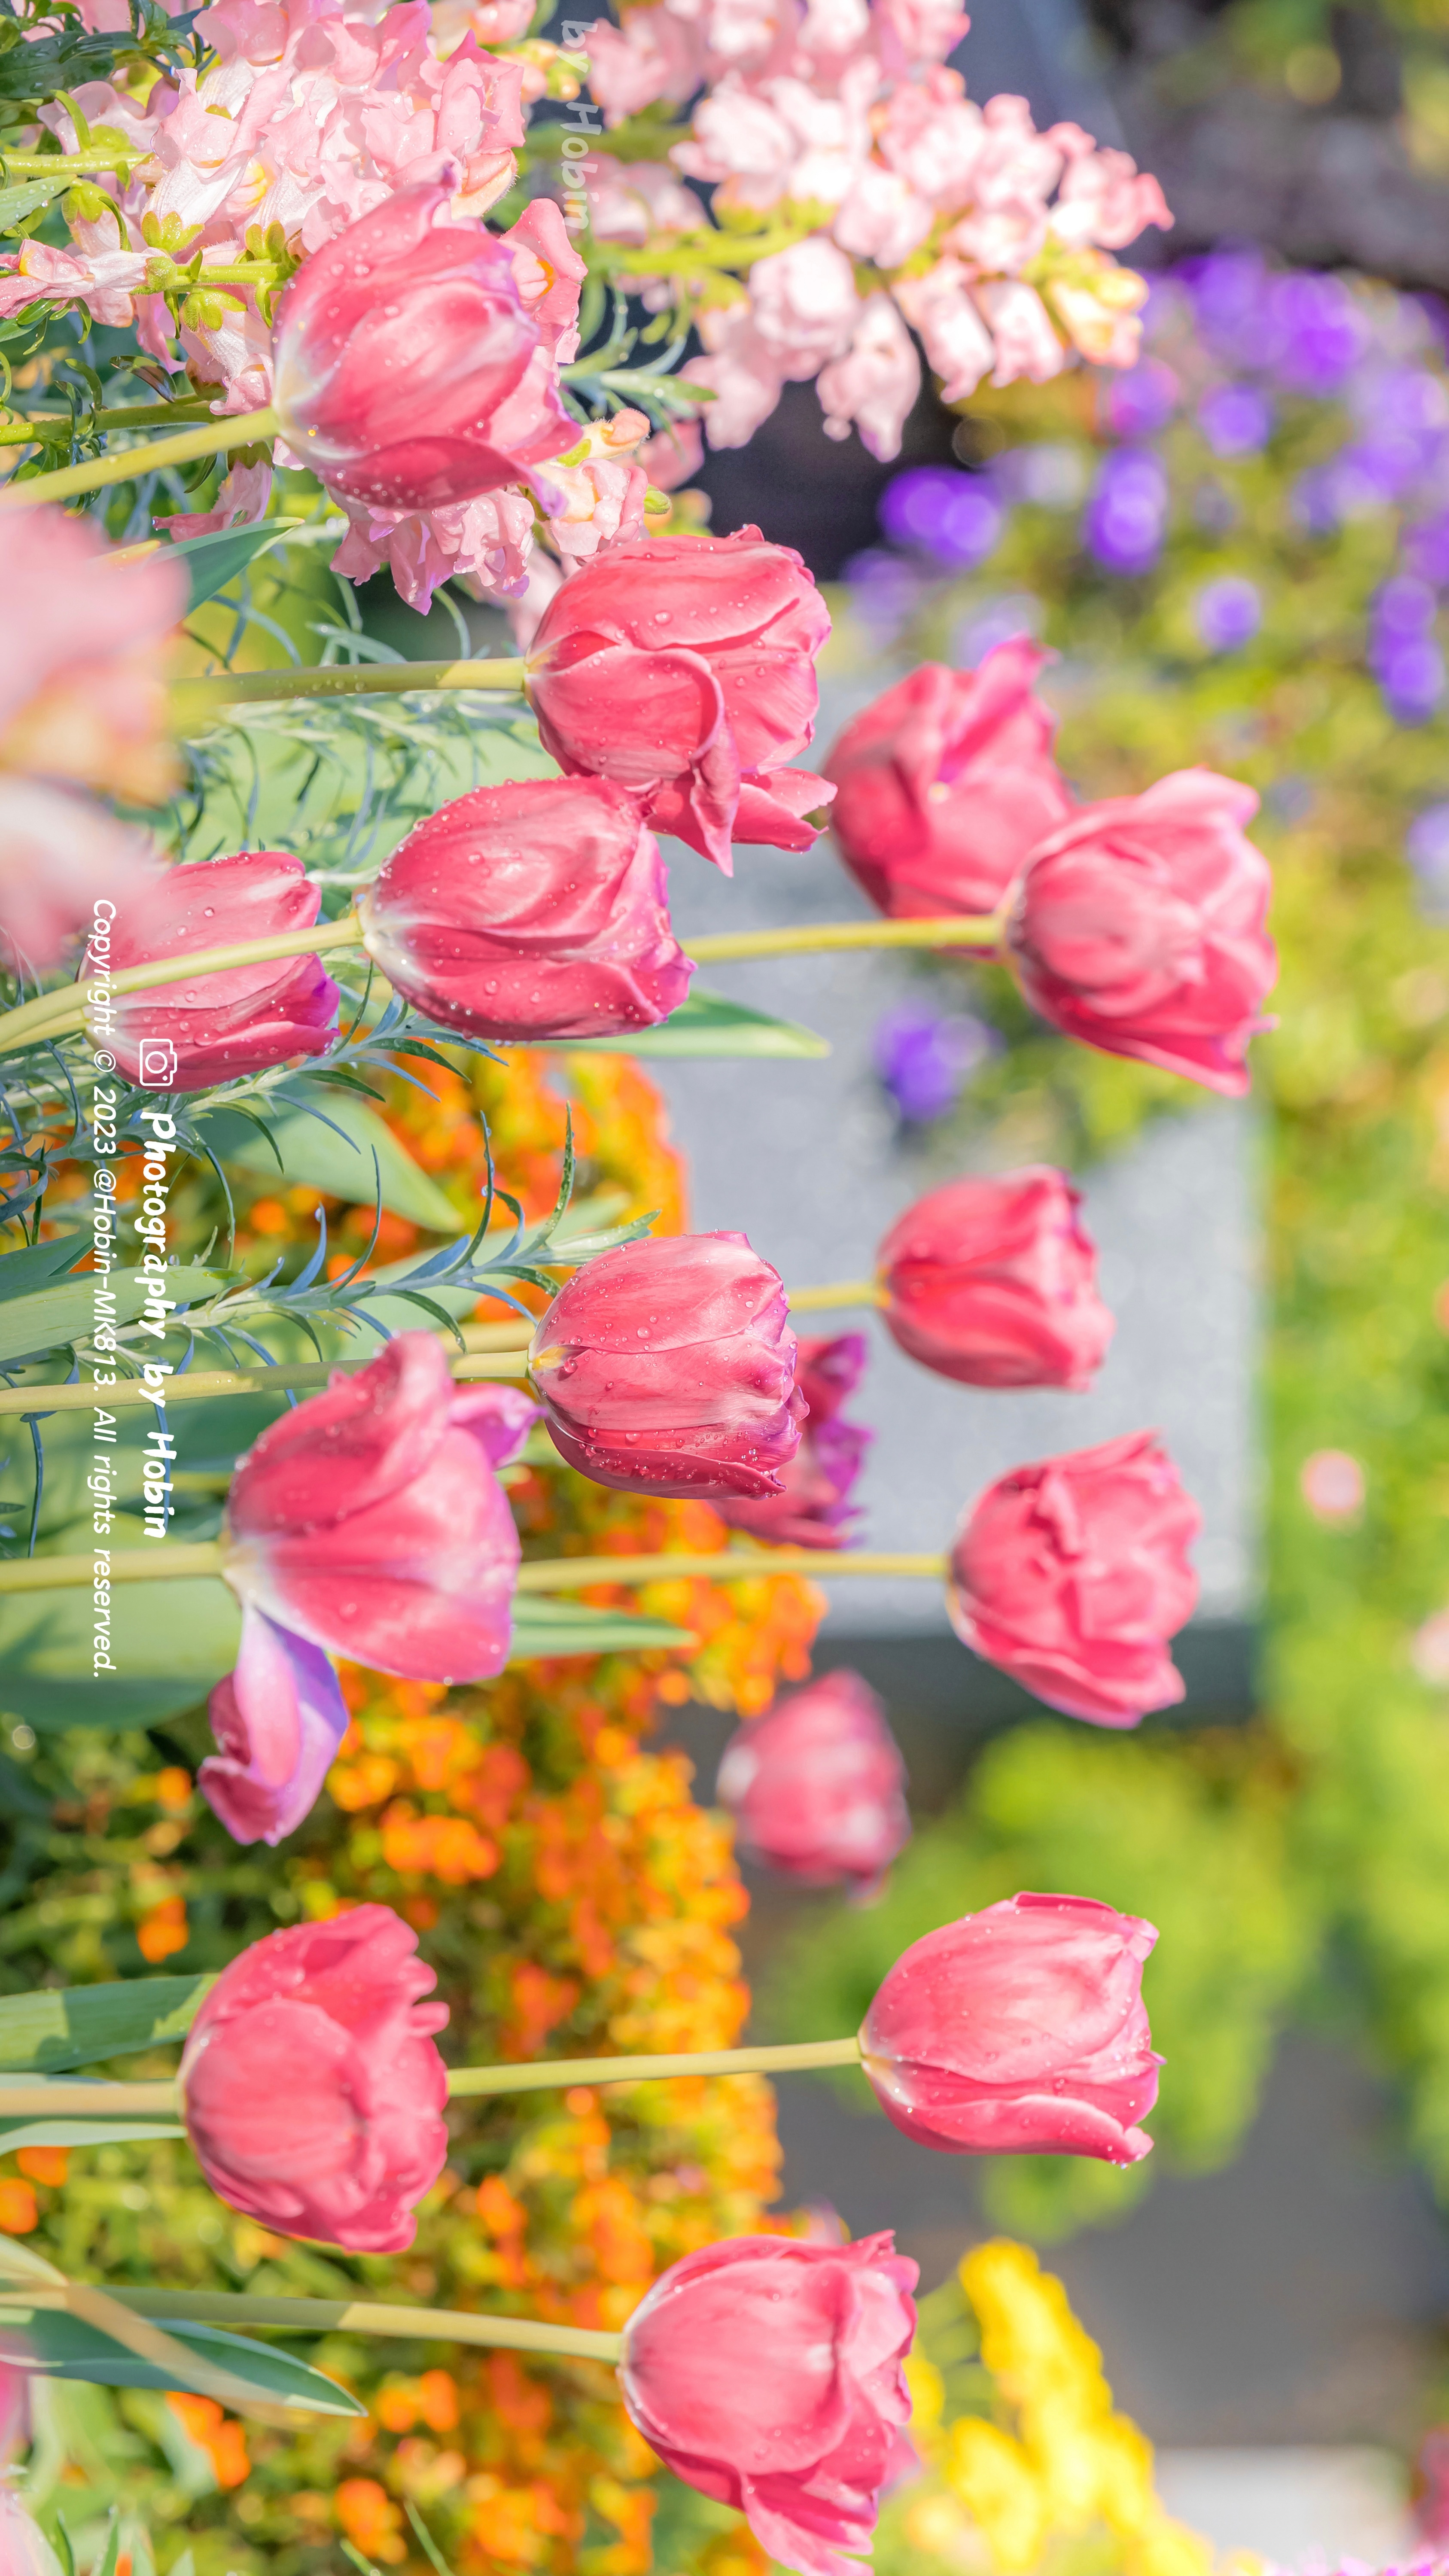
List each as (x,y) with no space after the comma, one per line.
(1138,928)
(946,784)
(278,1721)
(683,668)
(814,1509)
(311,2088)
(992,1280)
(817,1787)
(767,2373)
(409,368)
(65,866)
(370,1520)
(24,2549)
(668,1367)
(1019,2031)
(82,666)
(221,1025)
(531,910)
(1072,1575)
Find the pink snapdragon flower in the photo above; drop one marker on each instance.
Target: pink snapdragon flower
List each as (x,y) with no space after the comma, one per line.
(310,2085)
(817,1786)
(767,2373)
(668,1367)
(597,488)
(1021,2031)
(487,544)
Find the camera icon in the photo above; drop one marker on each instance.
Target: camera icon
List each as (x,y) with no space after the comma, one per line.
(157,1071)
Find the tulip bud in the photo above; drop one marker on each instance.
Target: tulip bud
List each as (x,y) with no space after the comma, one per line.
(814,1509)
(767,2373)
(1019,2031)
(227,1024)
(816,1787)
(1072,1575)
(278,1720)
(537,909)
(668,1367)
(311,2088)
(683,668)
(370,1520)
(946,784)
(992,1281)
(1138,927)
(409,369)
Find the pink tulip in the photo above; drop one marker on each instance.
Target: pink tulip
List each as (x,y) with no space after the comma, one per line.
(1019,2031)
(767,2373)
(992,1281)
(1138,928)
(683,668)
(1072,1575)
(409,368)
(66,866)
(370,1521)
(814,1509)
(220,1025)
(278,1720)
(82,675)
(311,2088)
(668,1367)
(537,909)
(946,784)
(817,1787)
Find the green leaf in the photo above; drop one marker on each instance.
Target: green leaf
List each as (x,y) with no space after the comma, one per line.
(48,1318)
(60,2346)
(58,2027)
(706,1024)
(82,2133)
(315,1156)
(210,562)
(36,1262)
(169,1643)
(545,1626)
(28,196)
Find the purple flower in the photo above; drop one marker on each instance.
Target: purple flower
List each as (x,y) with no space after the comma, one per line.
(1229,289)
(925,1058)
(954,517)
(1126,517)
(1142,401)
(1229,612)
(1426,847)
(1426,548)
(1317,333)
(1404,655)
(1051,472)
(884,591)
(1236,420)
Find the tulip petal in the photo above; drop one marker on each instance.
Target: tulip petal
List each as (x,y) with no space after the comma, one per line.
(278,1719)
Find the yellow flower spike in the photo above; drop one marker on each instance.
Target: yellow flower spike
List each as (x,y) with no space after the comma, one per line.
(928,2398)
(1168,2548)
(995,2481)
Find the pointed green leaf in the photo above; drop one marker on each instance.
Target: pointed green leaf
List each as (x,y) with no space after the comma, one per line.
(706,1024)
(210,562)
(317,1157)
(35,1263)
(59,2346)
(58,2027)
(27,196)
(65,1311)
(82,2133)
(169,1643)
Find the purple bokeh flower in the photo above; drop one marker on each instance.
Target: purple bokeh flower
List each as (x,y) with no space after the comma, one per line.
(925,1058)
(1142,401)
(939,511)
(885,590)
(1426,847)
(1228,612)
(1317,332)
(1404,653)
(1236,420)
(1426,549)
(1126,518)
(1052,472)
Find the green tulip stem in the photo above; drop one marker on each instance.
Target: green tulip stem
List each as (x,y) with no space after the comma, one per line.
(198,1384)
(342,2316)
(34,2098)
(845,1292)
(52,1014)
(195,702)
(956,930)
(194,1560)
(211,438)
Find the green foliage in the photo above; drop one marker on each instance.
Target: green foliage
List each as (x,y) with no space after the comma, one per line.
(1194,1835)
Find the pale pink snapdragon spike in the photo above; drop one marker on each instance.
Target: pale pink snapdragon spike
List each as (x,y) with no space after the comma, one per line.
(311,2087)
(668,1367)
(636,201)
(241,502)
(873,385)
(278,1719)
(1019,2031)
(672,455)
(958,345)
(82,664)
(370,1520)
(814,1508)
(683,669)
(242,1020)
(409,371)
(61,855)
(767,2372)
(1021,332)
(596,490)
(486,544)
(817,1786)
(1072,1575)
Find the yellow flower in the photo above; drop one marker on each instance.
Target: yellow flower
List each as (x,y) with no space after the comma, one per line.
(997,2484)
